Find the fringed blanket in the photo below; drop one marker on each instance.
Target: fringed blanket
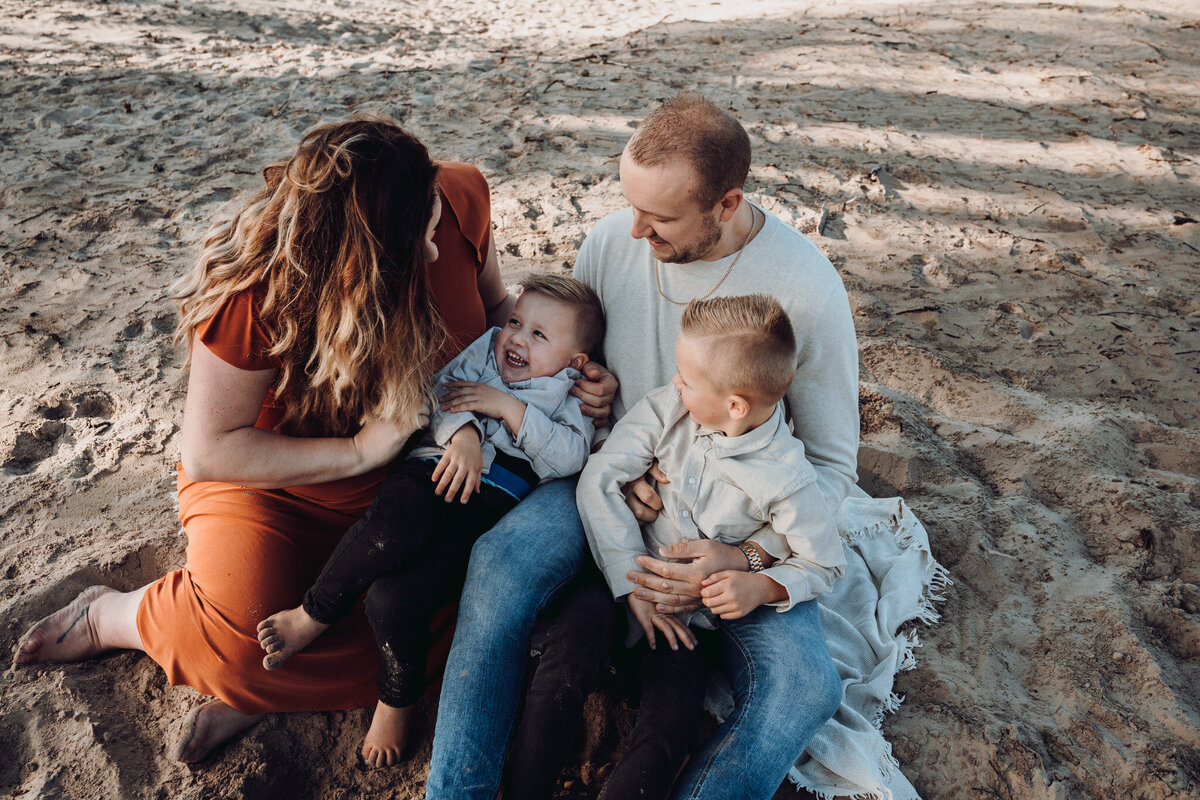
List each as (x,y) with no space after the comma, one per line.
(891,579)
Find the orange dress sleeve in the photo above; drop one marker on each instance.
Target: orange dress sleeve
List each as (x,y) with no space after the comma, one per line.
(463,239)
(235,335)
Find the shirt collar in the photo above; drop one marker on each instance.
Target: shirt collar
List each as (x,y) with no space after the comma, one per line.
(750,441)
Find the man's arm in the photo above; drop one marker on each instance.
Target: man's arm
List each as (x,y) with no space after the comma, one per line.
(823,398)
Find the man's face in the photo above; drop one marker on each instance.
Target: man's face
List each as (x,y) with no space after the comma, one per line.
(665,214)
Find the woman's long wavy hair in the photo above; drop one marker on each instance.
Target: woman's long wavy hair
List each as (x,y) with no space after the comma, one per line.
(334,245)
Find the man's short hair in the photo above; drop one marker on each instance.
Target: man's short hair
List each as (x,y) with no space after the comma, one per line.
(748,342)
(689,127)
(589,314)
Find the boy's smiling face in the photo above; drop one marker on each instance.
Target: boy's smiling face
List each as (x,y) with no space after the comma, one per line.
(539,340)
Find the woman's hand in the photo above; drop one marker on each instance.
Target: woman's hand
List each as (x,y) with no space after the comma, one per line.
(731,594)
(675,586)
(378,441)
(673,629)
(596,390)
(461,466)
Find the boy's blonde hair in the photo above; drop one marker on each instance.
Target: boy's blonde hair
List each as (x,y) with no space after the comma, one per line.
(589,314)
(749,344)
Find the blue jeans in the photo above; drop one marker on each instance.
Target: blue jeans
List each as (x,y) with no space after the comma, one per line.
(785,684)
(516,568)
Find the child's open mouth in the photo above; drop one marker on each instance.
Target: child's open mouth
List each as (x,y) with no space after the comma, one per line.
(514,360)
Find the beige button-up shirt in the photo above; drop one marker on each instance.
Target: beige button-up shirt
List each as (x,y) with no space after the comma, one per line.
(757,486)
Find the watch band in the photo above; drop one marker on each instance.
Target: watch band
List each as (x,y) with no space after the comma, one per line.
(752,556)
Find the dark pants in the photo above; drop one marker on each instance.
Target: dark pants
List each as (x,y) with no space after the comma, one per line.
(579,639)
(409,555)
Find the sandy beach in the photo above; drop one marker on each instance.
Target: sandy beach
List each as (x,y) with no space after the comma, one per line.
(1010,191)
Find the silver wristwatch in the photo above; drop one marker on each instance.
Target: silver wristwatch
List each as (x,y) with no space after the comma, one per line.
(752,556)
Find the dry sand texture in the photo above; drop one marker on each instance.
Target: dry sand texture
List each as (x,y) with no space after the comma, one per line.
(1010,190)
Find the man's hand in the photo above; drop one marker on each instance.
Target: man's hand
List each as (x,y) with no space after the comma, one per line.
(596,390)
(461,466)
(673,629)
(642,498)
(731,594)
(676,585)
(486,400)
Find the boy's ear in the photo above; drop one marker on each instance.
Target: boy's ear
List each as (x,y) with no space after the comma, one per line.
(738,406)
(578,360)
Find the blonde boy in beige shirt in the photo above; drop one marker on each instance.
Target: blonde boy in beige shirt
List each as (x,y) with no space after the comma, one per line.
(737,475)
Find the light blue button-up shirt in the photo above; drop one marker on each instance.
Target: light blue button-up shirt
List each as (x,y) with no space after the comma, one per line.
(555,436)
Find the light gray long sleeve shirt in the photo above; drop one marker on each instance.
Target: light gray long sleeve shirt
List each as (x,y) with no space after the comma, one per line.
(642,327)
(727,488)
(555,436)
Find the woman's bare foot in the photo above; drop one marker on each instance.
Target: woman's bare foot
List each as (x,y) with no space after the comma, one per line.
(286,633)
(387,736)
(207,727)
(68,634)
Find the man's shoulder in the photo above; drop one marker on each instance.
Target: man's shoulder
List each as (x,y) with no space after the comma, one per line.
(800,256)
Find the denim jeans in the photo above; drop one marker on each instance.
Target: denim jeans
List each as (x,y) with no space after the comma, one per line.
(515,570)
(785,685)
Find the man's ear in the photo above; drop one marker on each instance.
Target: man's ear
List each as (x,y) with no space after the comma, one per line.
(730,202)
(738,407)
(578,360)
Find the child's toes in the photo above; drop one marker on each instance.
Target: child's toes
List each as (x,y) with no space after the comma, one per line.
(272,644)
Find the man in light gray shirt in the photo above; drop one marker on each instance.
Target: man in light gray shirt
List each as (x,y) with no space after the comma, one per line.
(689,234)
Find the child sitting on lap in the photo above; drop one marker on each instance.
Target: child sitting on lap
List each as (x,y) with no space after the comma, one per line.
(736,474)
(507,423)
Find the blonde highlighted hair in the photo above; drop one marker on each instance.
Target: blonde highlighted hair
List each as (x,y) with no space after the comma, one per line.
(748,343)
(589,314)
(333,246)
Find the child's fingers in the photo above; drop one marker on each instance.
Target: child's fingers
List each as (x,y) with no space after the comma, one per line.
(664,625)
(443,462)
(455,483)
(683,632)
(648,627)
(446,479)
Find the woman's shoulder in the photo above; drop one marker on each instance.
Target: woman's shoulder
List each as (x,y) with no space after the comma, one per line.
(235,333)
(459,178)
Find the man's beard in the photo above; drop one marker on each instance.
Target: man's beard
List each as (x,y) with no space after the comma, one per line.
(709,238)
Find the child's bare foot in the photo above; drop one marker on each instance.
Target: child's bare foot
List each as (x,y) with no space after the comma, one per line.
(387,736)
(68,634)
(207,727)
(286,633)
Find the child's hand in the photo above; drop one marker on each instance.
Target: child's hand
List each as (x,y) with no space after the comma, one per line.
(732,594)
(673,629)
(486,400)
(461,465)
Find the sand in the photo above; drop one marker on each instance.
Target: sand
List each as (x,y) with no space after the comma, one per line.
(1009,190)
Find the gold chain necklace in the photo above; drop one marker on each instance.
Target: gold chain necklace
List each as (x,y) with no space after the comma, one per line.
(709,293)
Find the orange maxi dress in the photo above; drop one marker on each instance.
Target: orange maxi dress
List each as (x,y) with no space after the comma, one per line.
(252,552)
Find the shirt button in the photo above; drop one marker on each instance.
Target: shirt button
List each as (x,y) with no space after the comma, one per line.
(691,480)
(683,514)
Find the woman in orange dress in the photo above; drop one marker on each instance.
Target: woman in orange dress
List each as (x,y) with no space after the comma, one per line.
(315,320)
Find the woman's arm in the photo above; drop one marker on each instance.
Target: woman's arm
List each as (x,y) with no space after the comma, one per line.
(220,442)
(497,301)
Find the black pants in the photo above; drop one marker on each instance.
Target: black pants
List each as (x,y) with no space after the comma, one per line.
(580,636)
(409,555)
